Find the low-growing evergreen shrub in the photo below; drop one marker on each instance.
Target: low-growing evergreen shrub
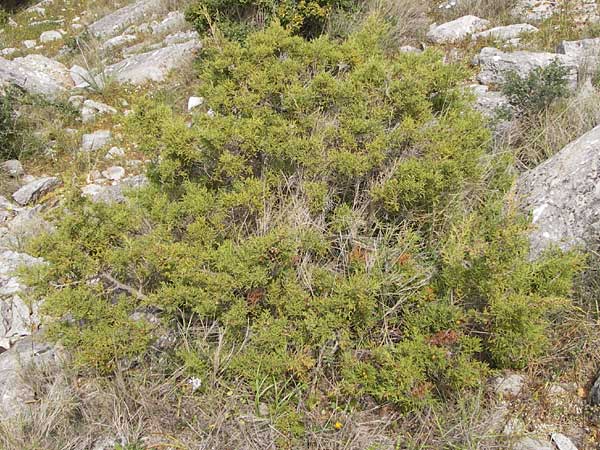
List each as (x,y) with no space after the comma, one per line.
(236,18)
(327,225)
(536,91)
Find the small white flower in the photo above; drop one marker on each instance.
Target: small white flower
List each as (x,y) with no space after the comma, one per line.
(195,382)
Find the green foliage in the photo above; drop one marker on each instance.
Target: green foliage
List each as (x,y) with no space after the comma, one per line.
(535,92)
(9,126)
(327,226)
(237,18)
(4,16)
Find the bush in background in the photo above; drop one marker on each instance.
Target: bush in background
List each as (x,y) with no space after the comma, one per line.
(535,92)
(237,18)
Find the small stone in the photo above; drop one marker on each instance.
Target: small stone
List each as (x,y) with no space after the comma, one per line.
(510,385)
(91,109)
(194,102)
(13,167)
(8,51)
(115,153)
(34,190)
(562,442)
(410,49)
(76,101)
(114,173)
(29,43)
(532,444)
(96,140)
(50,36)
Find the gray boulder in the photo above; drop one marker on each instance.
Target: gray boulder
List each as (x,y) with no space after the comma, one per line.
(505,33)
(489,103)
(117,21)
(510,385)
(456,30)
(113,194)
(13,167)
(174,21)
(528,443)
(38,75)
(96,140)
(534,10)
(495,64)
(117,41)
(562,442)
(50,36)
(586,52)
(92,108)
(563,195)
(154,65)
(15,394)
(17,317)
(34,190)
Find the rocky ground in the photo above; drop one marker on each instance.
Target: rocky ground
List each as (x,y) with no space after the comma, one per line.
(124,49)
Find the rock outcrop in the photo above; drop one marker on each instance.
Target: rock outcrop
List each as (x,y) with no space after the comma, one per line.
(15,394)
(38,75)
(154,65)
(495,64)
(116,22)
(456,30)
(505,33)
(563,195)
(34,190)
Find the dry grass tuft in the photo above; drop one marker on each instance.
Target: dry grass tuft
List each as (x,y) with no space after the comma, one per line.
(539,137)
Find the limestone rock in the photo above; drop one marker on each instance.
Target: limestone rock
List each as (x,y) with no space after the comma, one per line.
(26,223)
(456,30)
(117,21)
(505,33)
(489,102)
(496,63)
(153,65)
(17,318)
(115,153)
(50,36)
(586,52)
(37,74)
(583,11)
(174,21)
(15,395)
(194,102)
(562,442)
(510,385)
(117,41)
(13,167)
(563,195)
(35,189)
(113,194)
(96,140)
(92,108)
(114,173)
(528,443)
(182,36)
